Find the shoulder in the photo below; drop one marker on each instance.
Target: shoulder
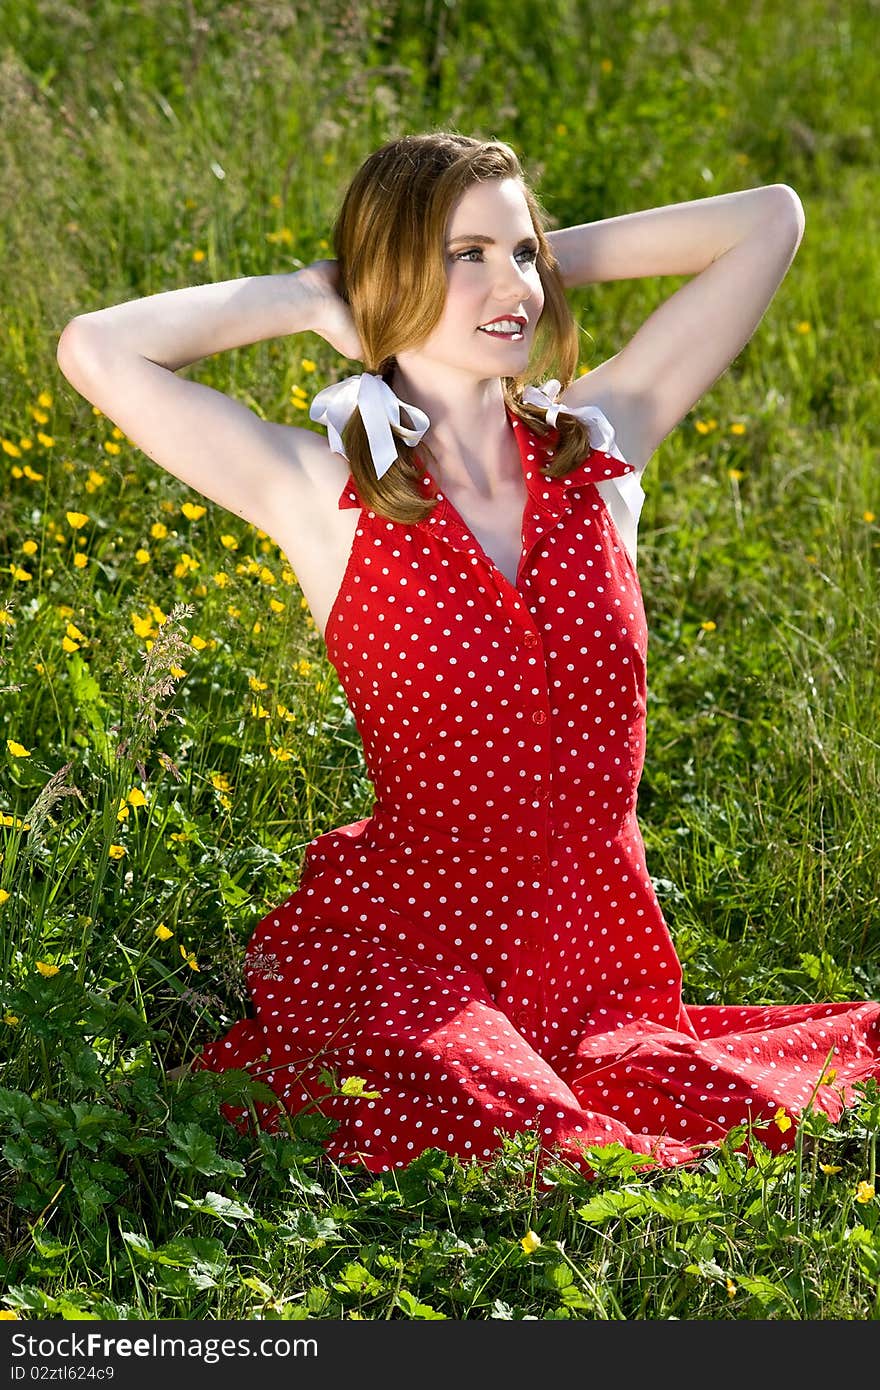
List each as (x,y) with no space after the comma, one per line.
(305,519)
(313,474)
(604,388)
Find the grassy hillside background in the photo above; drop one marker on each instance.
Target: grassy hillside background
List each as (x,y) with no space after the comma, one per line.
(173,735)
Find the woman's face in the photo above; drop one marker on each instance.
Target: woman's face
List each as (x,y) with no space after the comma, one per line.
(487,279)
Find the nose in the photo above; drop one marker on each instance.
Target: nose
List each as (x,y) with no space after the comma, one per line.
(514,287)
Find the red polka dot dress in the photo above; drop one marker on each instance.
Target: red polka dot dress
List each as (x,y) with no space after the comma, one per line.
(486,950)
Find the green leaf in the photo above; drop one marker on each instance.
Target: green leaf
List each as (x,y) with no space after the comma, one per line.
(415,1309)
(196,1152)
(356,1278)
(606,1206)
(215,1204)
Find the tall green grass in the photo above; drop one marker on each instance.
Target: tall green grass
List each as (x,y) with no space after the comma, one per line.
(174,736)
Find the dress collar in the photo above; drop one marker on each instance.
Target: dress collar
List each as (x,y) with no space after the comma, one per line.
(544,495)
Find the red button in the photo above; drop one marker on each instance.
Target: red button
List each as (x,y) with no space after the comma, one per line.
(530,639)
(539,717)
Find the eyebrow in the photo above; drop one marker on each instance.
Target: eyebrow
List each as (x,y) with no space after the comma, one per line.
(487,240)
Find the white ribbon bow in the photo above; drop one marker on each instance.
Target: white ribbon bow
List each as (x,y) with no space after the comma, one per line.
(380,409)
(599,426)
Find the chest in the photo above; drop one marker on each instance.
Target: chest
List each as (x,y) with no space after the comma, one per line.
(320,545)
(496,525)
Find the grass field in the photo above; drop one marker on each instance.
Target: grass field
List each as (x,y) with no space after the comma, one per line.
(173,735)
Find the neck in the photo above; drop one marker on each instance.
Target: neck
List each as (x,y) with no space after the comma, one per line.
(471,445)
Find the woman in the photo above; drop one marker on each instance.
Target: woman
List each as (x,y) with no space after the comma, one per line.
(486,950)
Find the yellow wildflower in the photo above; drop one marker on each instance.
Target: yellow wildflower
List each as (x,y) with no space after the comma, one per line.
(30,547)
(73,632)
(111,447)
(4,896)
(9,448)
(177,671)
(136,797)
(192,511)
(9,1315)
(143,626)
(276,605)
(44,398)
(47,970)
(831,1168)
(355,1086)
(16,749)
(865,1192)
(158,531)
(781,1120)
(116,851)
(32,474)
(142,556)
(80,561)
(185,564)
(18,573)
(11,1020)
(229,541)
(68,645)
(221,579)
(163,932)
(76,520)
(530,1242)
(282,755)
(189,957)
(731,1287)
(256,684)
(45,439)
(199,643)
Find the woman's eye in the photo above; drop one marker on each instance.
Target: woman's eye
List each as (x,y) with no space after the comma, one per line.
(530,251)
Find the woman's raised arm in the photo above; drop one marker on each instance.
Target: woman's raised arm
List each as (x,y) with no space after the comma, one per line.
(123,360)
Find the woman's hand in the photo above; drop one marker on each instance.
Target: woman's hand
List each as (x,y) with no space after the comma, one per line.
(331,317)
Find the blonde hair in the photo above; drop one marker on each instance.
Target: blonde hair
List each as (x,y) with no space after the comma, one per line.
(389,239)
